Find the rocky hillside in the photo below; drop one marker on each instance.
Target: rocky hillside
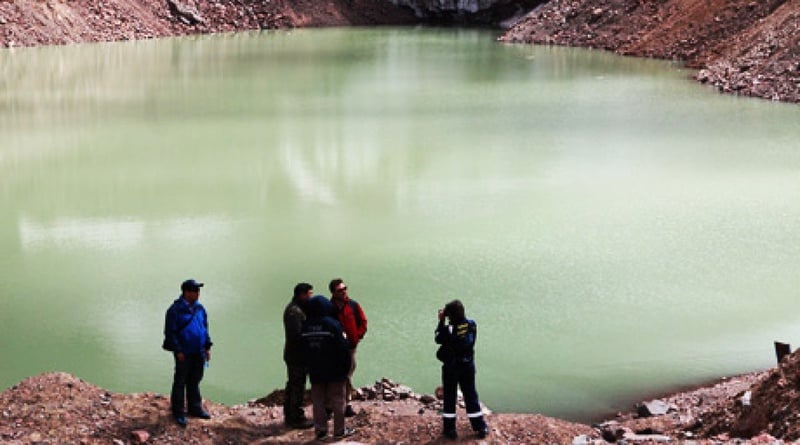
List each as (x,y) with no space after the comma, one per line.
(772,406)
(743,47)
(56,22)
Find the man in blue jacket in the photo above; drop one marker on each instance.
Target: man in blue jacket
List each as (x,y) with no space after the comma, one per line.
(186,335)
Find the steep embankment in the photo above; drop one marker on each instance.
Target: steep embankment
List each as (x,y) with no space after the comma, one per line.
(742,46)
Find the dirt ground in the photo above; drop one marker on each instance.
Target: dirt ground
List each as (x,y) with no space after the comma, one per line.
(58,408)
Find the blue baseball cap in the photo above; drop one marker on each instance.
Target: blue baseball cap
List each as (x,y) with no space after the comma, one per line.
(191,284)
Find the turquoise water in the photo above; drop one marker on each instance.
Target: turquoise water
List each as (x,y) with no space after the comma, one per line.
(614,228)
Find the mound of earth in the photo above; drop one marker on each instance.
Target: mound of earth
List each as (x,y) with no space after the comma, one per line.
(60,408)
(771,406)
(744,47)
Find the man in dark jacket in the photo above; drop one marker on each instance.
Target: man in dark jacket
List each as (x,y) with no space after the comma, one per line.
(186,335)
(327,355)
(457,354)
(293,317)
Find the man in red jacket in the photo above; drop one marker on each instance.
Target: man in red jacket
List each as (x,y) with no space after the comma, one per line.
(354,323)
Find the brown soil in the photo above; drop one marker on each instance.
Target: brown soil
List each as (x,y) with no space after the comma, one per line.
(743,47)
(57,408)
(55,22)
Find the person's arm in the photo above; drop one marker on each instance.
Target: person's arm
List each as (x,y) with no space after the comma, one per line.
(362,329)
(209,343)
(342,347)
(293,326)
(442,334)
(474,333)
(171,330)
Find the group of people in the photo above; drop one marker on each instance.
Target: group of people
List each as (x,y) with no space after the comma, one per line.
(321,338)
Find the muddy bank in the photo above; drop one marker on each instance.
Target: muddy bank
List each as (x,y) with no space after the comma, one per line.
(744,47)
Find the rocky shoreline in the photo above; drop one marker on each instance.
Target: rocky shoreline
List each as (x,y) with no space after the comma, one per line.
(56,408)
(740,47)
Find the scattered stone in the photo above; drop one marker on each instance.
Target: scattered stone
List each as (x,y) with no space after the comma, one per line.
(186,13)
(140,436)
(427,398)
(745,400)
(649,438)
(583,439)
(653,408)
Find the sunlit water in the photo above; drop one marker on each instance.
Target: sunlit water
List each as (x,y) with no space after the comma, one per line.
(615,229)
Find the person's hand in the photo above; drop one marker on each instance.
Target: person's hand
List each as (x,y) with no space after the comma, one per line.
(208,355)
(180,356)
(441,314)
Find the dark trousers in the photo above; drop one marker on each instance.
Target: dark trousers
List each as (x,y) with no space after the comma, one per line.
(329,395)
(463,375)
(186,381)
(293,395)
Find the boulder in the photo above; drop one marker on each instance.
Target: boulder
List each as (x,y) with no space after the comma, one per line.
(652,408)
(140,436)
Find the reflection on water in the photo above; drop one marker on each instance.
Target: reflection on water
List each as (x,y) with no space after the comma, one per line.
(614,228)
(107,234)
(80,234)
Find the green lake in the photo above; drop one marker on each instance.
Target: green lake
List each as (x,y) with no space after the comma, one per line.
(616,229)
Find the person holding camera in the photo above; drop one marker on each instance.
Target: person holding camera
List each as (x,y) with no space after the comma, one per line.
(457,354)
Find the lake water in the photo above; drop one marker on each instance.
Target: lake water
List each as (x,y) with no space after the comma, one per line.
(615,229)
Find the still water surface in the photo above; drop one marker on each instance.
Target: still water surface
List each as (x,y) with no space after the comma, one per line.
(615,229)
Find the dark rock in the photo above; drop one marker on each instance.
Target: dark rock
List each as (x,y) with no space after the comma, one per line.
(427,398)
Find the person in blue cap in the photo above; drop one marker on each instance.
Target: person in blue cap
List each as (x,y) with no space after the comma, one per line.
(186,335)
(457,354)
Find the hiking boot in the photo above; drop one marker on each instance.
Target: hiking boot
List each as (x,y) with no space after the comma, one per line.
(200,415)
(321,434)
(180,419)
(450,434)
(348,411)
(483,432)
(345,433)
(300,424)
